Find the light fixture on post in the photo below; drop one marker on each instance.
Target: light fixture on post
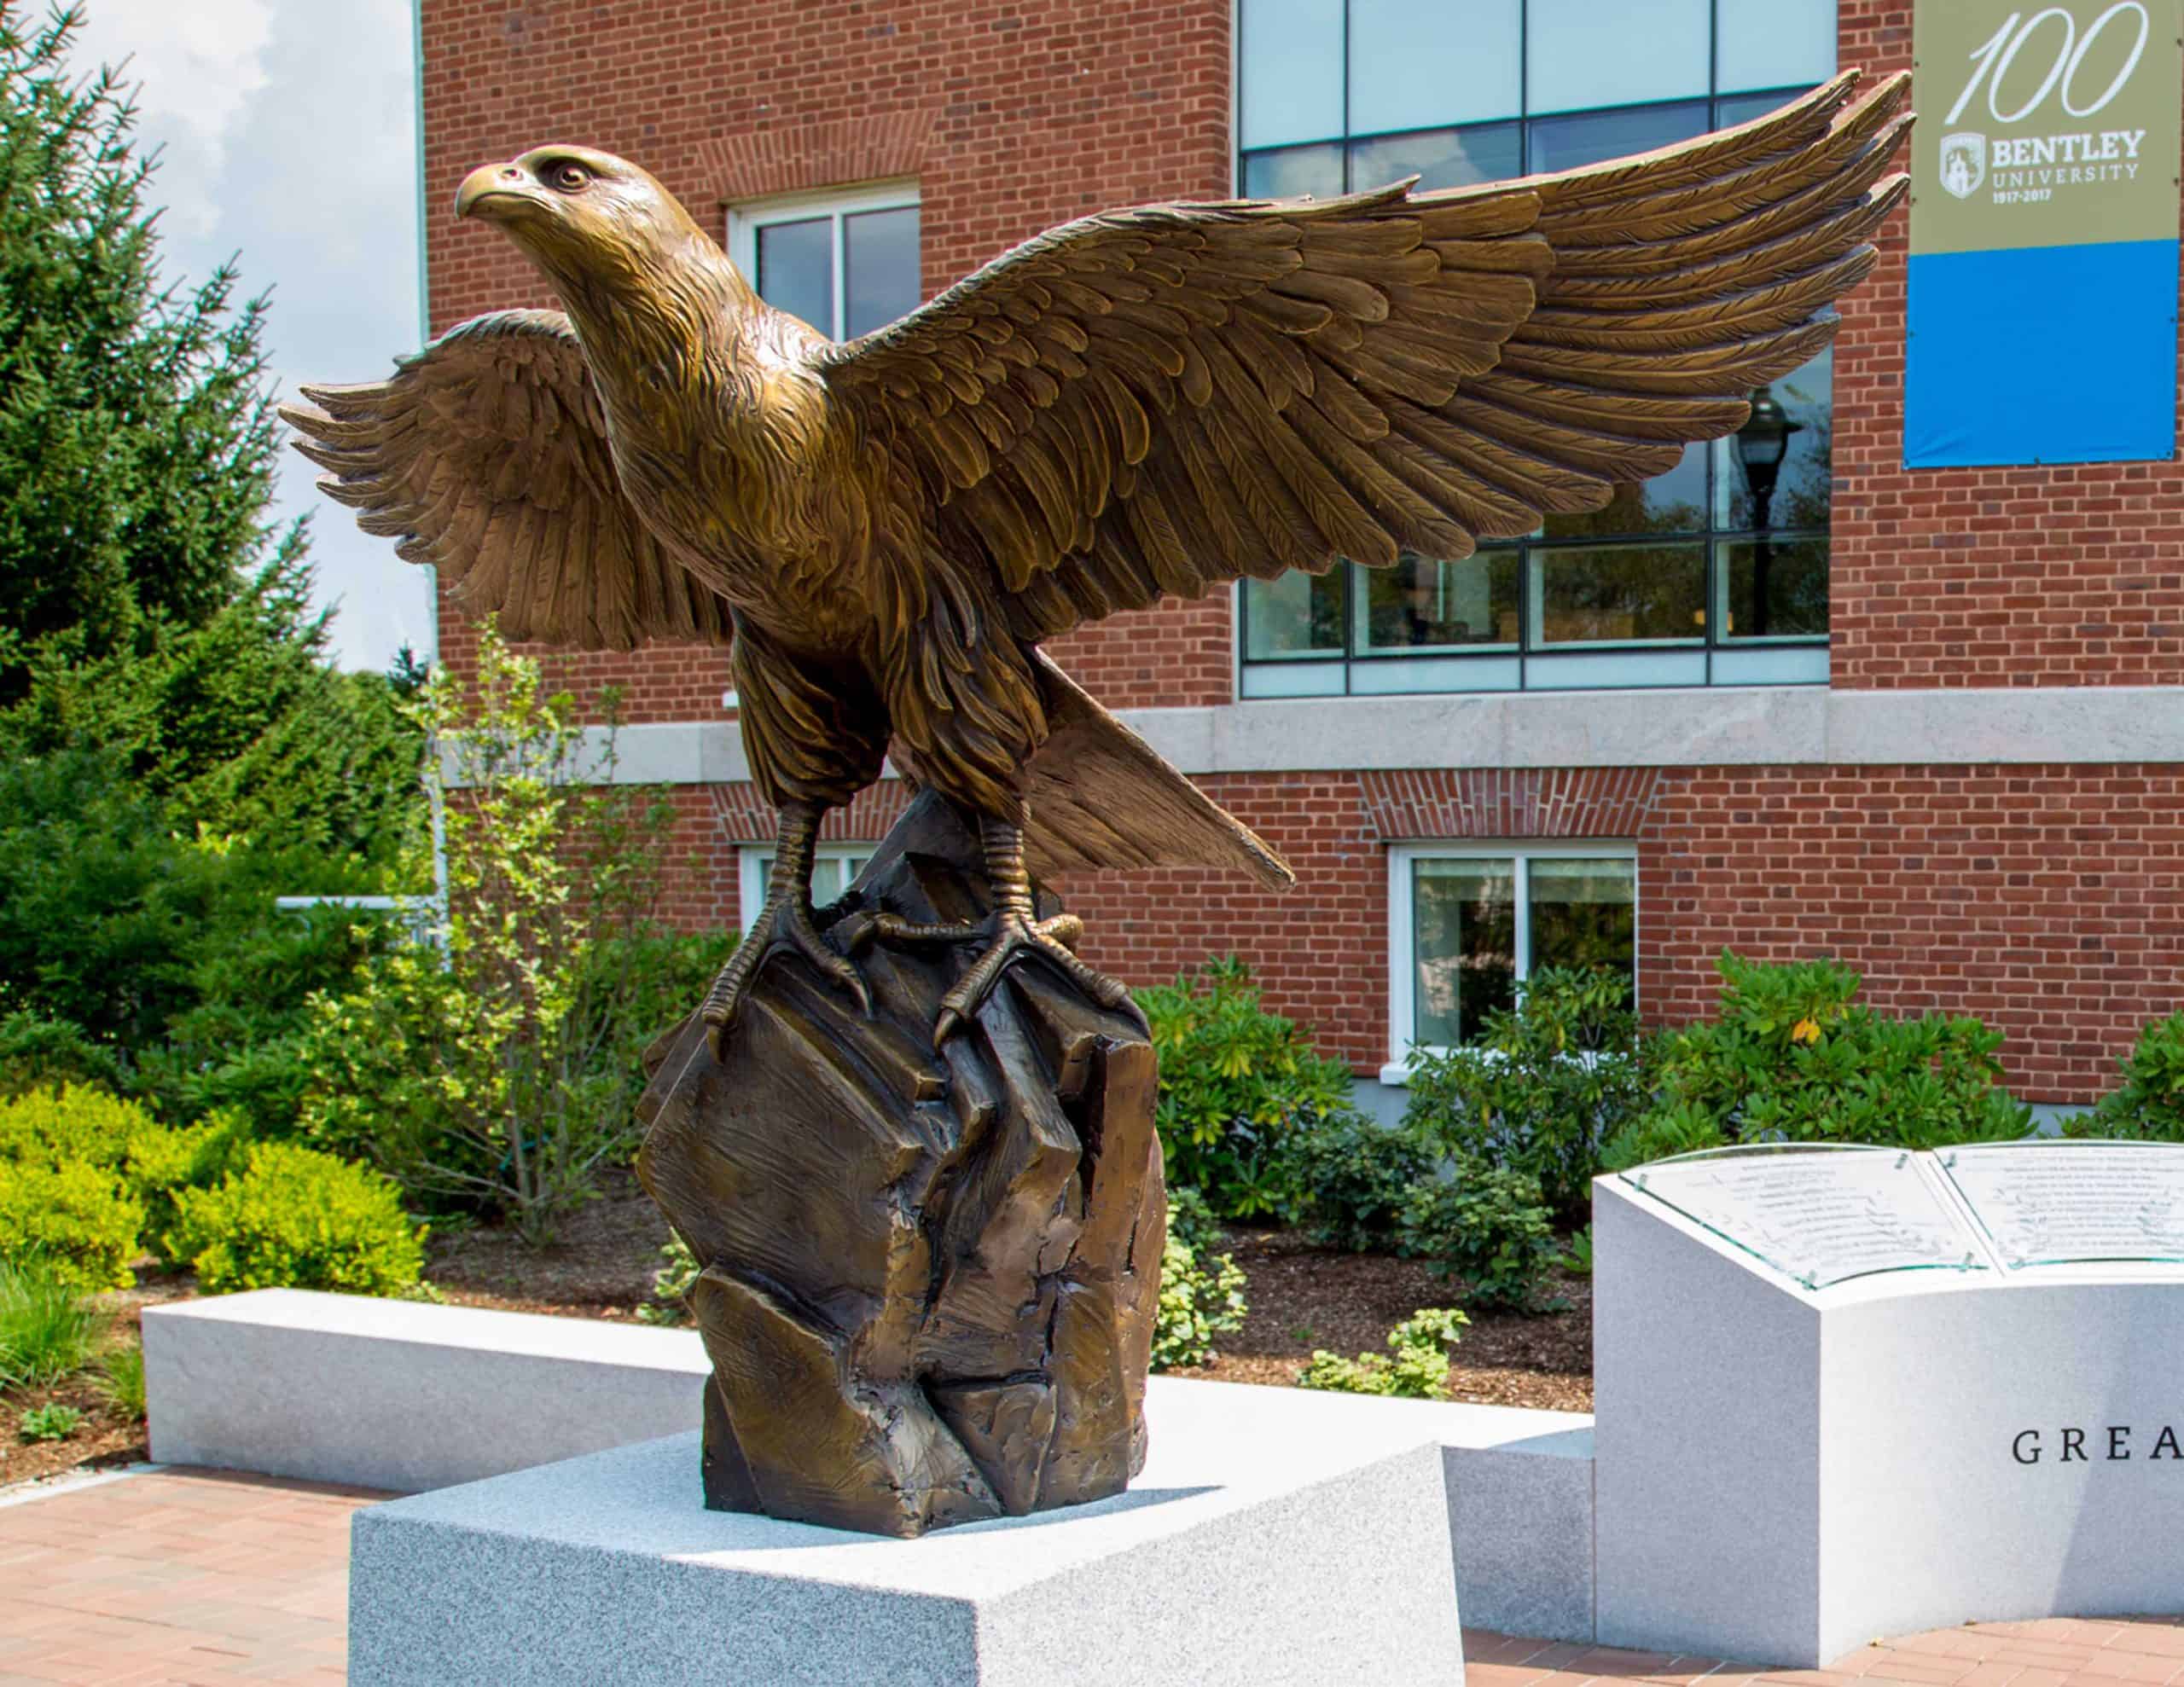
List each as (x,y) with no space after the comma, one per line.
(1761,444)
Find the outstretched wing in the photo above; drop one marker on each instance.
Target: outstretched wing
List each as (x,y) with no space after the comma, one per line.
(486,456)
(1151,402)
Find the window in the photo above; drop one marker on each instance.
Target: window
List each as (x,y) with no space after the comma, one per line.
(846,263)
(833,868)
(1713,573)
(1469,923)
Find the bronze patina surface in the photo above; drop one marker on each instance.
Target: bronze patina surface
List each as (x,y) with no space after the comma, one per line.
(1145,404)
(930,1275)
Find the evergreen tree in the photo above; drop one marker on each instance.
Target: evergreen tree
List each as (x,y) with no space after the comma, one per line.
(136,445)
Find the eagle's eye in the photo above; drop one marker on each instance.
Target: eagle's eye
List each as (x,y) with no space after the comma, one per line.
(569,176)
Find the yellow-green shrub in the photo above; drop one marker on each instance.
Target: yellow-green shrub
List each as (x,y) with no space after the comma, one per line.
(79,1222)
(71,1124)
(294,1218)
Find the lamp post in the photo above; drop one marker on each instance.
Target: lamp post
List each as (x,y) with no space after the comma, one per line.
(1761,444)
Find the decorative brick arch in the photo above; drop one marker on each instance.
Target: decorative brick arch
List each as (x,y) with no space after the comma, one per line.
(1509,801)
(745,817)
(803,157)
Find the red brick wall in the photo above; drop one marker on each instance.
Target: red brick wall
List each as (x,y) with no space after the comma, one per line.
(1012,117)
(1981,577)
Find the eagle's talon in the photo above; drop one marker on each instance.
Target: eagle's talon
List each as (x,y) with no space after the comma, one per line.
(785,924)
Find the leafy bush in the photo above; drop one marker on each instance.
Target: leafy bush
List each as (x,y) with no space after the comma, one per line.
(121,1379)
(1238,1085)
(1578,1257)
(1420,1369)
(1792,1058)
(670,1285)
(77,1222)
(1485,1223)
(493,1069)
(1202,1296)
(1547,1082)
(52,1422)
(47,1327)
(1356,1176)
(296,1218)
(2150,1103)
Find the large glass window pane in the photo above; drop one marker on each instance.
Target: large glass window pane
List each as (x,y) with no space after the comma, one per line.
(1289,71)
(1424,604)
(1778,470)
(1413,67)
(1292,172)
(1582,53)
(1295,614)
(1618,593)
(1735,108)
(1440,158)
(1583,913)
(879,267)
(1464,946)
(1774,588)
(1674,502)
(1566,143)
(1773,43)
(796,270)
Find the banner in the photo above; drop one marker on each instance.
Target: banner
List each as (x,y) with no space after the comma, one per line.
(2040,324)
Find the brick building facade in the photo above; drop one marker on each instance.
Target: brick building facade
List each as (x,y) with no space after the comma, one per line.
(1966,783)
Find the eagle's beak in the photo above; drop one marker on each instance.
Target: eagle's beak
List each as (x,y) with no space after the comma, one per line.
(493,190)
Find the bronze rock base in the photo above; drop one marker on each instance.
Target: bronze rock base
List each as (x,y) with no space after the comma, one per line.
(929,1278)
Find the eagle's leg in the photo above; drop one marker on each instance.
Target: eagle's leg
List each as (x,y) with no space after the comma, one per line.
(1013,928)
(785,923)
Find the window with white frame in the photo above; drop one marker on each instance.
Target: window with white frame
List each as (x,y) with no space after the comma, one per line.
(1470,922)
(846,262)
(833,868)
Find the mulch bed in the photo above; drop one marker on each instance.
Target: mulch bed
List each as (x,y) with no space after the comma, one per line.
(1301,1297)
(104,1438)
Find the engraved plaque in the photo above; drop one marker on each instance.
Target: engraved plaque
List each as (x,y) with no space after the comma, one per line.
(1818,1215)
(2064,1202)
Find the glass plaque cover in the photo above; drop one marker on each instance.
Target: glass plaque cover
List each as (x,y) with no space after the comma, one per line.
(1818,1214)
(2058,1202)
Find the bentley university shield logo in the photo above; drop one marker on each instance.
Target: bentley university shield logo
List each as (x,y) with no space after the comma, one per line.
(1964,163)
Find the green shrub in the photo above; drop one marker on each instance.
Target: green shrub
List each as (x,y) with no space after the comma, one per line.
(2150,1103)
(1238,1086)
(79,1222)
(1578,1257)
(73,1123)
(494,1068)
(1420,1369)
(1202,1296)
(1356,1176)
(670,1285)
(1486,1225)
(295,1218)
(121,1379)
(1791,1057)
(1547,1082)
(53,1423)
(47,1327)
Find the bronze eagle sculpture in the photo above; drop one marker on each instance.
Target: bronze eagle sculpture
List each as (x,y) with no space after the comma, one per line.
(1139,404)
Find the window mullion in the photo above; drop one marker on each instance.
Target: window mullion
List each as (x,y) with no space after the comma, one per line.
(1523,876)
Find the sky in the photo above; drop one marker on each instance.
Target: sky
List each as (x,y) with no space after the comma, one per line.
(290,142)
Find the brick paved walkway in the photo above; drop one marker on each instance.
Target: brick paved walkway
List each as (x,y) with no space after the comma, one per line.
(208,1577)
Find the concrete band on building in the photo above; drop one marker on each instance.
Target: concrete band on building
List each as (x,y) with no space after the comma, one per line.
(1927,720)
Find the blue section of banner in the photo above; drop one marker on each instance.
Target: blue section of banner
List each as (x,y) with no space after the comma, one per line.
(2063,354)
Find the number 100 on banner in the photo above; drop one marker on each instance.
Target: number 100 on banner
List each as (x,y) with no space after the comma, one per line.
(2042,315)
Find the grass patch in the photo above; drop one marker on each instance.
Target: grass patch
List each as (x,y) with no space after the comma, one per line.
(48,1331)
(122,1381)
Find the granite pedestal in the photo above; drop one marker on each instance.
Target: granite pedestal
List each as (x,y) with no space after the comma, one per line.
(1274,1537)
(1786,1471)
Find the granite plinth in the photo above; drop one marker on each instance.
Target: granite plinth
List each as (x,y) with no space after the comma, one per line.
(1274,1537)
(1785,1473)
(399,1395)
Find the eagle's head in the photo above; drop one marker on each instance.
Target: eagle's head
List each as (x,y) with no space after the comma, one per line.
(591,221)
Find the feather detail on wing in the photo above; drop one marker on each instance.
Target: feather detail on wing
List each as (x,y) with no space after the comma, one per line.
(486,456)
(1150,401)
(1100,797)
